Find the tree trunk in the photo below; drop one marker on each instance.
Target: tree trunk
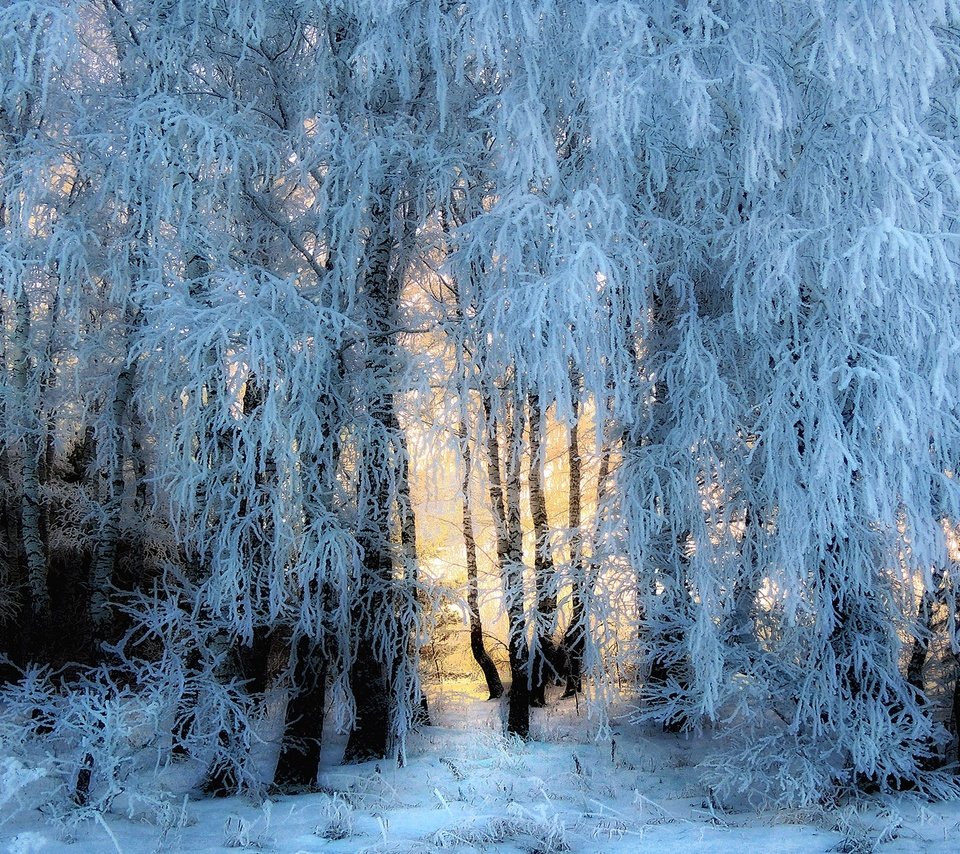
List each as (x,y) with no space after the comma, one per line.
(370,676)
(105,554)
(668,661)
(921,641)
(370,681)
(743,629)
(299,759)
(477,647)
(575,637)
(370,686)
(47,380)
(11,571)
(374,682)
(138,455)
(31,521)
(408,653)
(955,707)
(262,667)
(667,682)
(545,652)
(220,780)
(506,516)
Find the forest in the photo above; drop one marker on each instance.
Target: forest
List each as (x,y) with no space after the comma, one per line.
(602,354)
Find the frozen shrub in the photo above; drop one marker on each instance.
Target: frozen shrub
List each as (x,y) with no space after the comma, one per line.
(84,739)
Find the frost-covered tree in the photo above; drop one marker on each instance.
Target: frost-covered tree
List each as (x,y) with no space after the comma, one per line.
(807,393)
(50,252)
(255,233)
(302,227)
(755,231)
(728,229)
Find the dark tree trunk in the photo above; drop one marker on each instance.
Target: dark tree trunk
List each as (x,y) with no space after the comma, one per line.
(921,649)
(546,652)
(592,567)
(667,679)
(81,789)
(668,664)
(260,665)
(840,607)
(12,629)
(105,551)
(575,637)
(369,674)
(371,690)
(370,677)
(221,780)
(477,647)
(921,641)
(303,727)
(955,707)
(743,624)
(506,515)
(408,542)
(138,454)
(518,710)
(31,508)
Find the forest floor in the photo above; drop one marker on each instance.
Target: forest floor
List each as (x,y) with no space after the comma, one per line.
(466,788)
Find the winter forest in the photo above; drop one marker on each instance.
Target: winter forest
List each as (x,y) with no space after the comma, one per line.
(584,374)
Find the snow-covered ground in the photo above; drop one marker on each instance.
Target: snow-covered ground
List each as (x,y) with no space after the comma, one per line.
(467,788)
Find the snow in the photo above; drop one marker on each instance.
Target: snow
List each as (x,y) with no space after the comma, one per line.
(467,788)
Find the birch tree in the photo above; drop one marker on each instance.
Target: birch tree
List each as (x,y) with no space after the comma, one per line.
(732,224)
(44,259)
(764,200)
